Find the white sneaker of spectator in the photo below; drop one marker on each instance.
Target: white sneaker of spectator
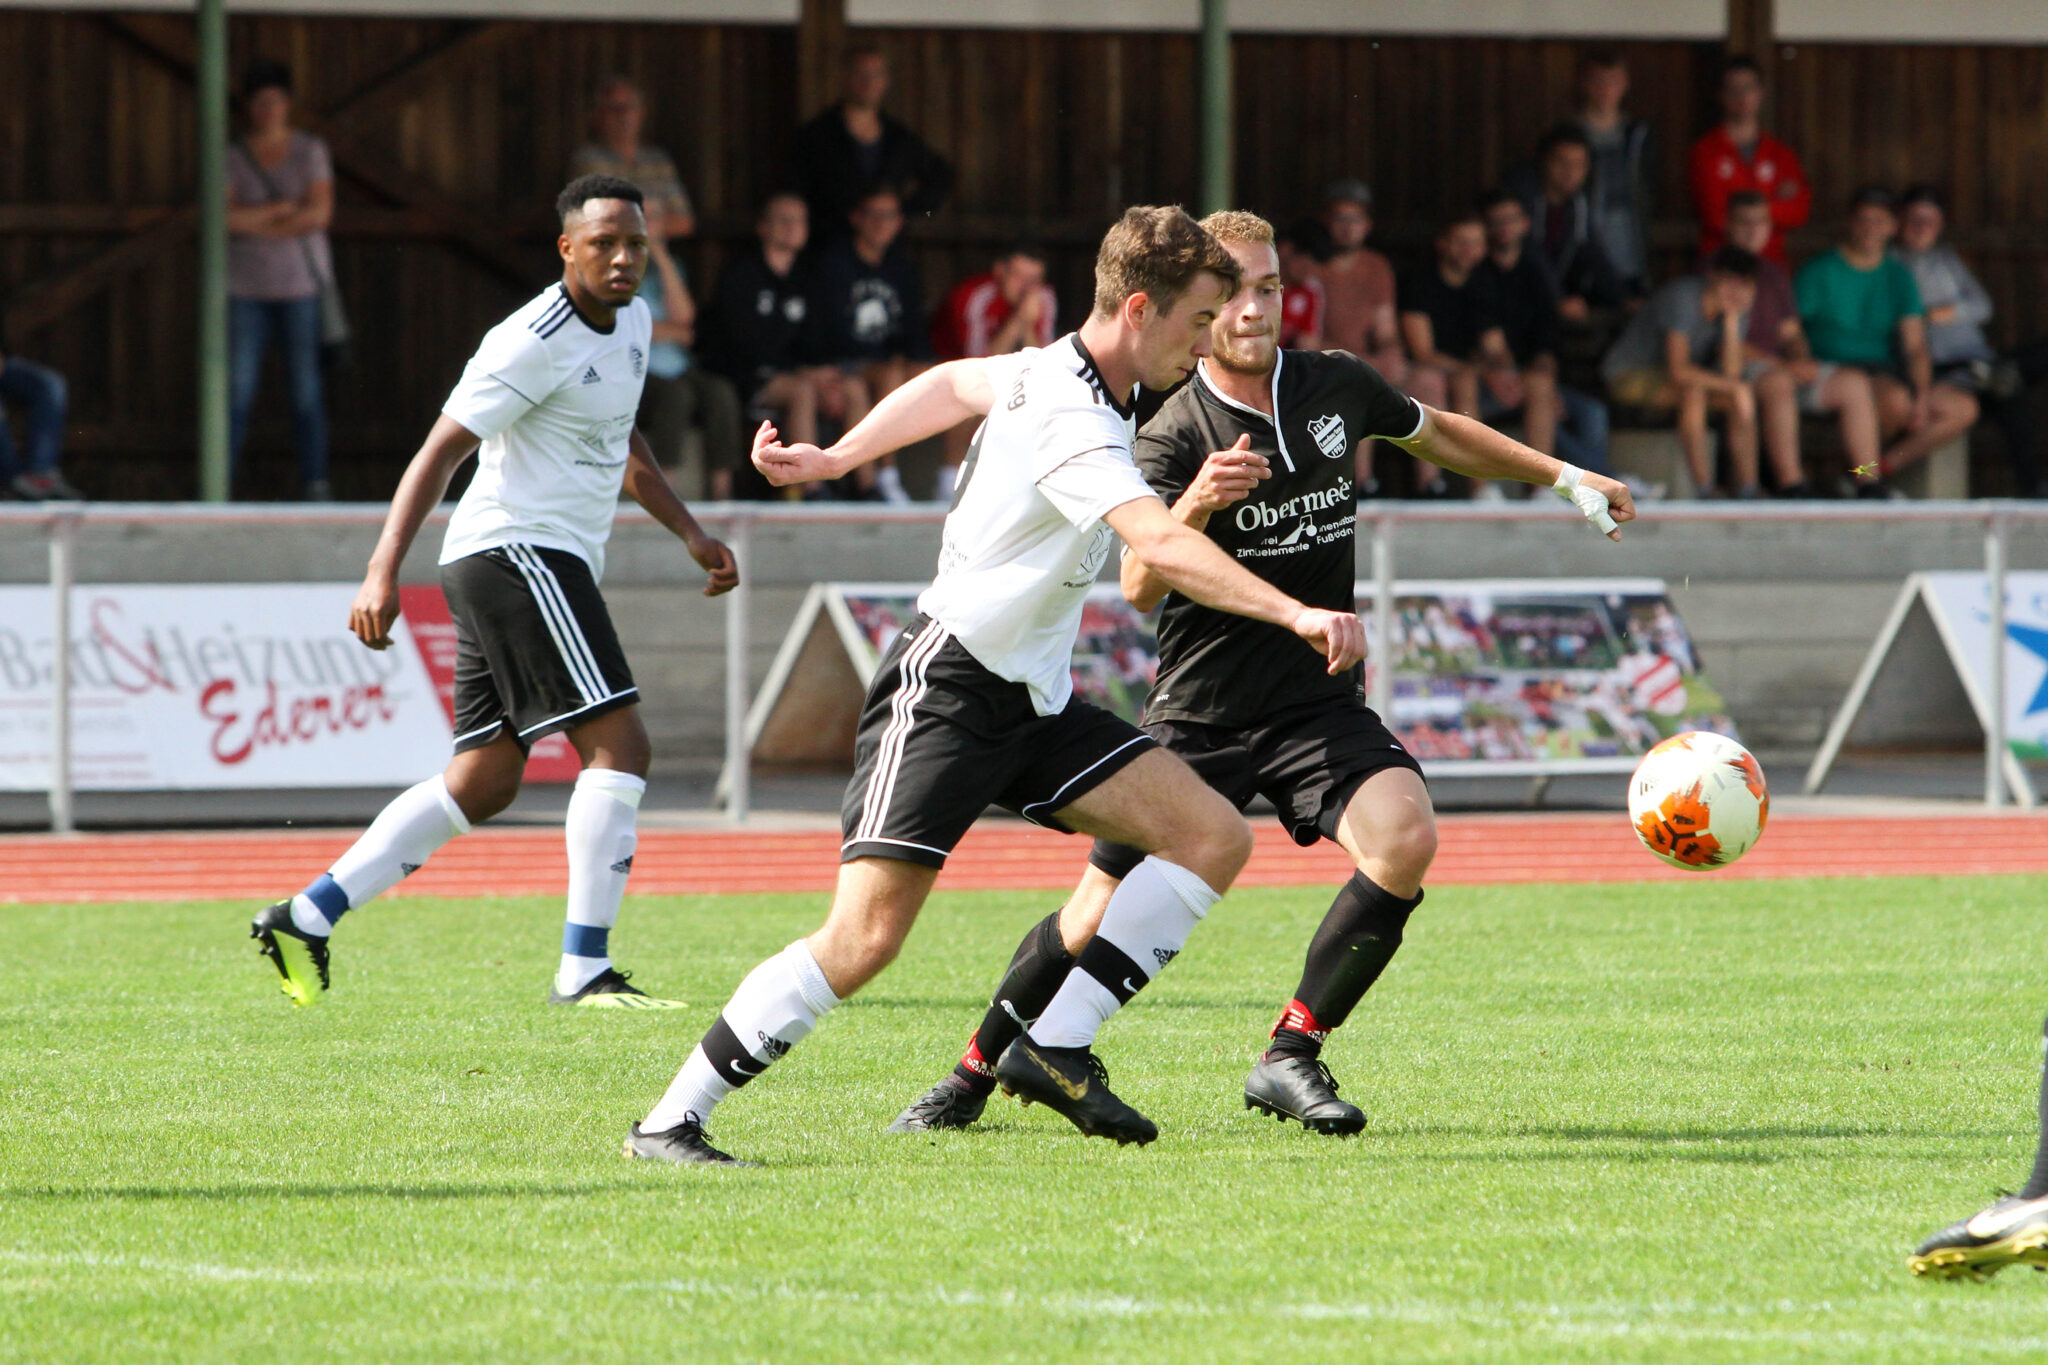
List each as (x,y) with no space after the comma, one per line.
(889,483)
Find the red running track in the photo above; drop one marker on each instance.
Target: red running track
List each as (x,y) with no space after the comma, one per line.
(529,861)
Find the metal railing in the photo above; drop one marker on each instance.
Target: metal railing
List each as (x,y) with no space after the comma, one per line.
(736,522)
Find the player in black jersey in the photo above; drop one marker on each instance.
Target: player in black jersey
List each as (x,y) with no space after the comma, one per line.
(1256,450)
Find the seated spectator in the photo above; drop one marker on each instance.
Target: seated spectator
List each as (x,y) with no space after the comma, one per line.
(680,394)
(1740,155)
(280,201)
(1303,304)
(1005,308)
(1458,355)
(1359,307)
(1687,350)
(1776,337)
(853,146)
(867,312)
(38,396)
(1860,307)
(1564,421)
(1554,195)
(1957,309)
(1623,186)
(754,335)
(617,115)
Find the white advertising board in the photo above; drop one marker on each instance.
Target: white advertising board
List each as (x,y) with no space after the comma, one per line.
(218,686)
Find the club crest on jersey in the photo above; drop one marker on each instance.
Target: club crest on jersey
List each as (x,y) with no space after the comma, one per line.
(639,362)
(1329,434)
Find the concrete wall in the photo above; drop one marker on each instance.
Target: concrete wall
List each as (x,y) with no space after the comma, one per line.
(1783,613)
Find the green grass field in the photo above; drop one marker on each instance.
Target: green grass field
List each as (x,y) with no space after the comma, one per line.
(1671,1122)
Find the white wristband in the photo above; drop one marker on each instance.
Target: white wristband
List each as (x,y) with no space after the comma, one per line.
(1591,502)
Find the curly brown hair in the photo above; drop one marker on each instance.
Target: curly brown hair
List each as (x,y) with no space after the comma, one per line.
(1157,250)
(1238,227)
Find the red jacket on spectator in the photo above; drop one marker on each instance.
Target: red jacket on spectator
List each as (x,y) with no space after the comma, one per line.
(975,311)
(1301,311)
(1718,171)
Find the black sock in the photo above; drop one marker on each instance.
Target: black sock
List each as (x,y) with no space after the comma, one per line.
(2037,1183)
(1041,964)
(1352,946)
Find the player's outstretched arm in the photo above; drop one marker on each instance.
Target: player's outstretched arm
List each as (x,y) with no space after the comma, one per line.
(421,489)
(1191,563)
(1467,446)
(938,400)
(648,486)
(1226,477)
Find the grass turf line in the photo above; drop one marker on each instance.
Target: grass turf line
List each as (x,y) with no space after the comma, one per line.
(1699,1121)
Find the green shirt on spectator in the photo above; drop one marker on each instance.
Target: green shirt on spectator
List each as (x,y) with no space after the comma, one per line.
(1852,316)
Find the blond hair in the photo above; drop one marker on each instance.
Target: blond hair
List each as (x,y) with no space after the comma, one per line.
(1238,227)
(1157,251)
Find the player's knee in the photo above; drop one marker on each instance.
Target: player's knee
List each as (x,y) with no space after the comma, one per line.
(1411,847)
(1221,848)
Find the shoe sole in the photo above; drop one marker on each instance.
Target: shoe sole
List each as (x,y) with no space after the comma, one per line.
(620,1002)
(1981,1263)
(1327,1127)
(299,979)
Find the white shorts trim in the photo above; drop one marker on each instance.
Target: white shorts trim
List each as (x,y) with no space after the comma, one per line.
(1052,803)
(889,755)
(570,715)
(561,622)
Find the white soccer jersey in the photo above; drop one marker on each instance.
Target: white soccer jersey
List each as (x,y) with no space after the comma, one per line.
(1025,538)
(554,400)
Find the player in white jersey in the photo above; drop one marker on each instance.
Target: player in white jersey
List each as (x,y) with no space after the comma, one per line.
(972,705)
(550,396)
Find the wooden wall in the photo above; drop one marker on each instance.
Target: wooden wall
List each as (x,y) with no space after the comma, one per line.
(453,137)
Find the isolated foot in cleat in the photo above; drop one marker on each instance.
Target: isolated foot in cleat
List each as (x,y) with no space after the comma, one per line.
(1073,1083)
(682,1145)
(608,990)
(1301,1089)
(2013,1231)
(952,1103)
(300,958)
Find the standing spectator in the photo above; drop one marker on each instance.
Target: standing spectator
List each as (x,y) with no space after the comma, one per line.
(280,201)
(1003,309)
(1456,347)
(853,147)
(1555,197)
(40,396)
(1359,297)
(755,332)
(1303,305)
(617,115)
(1624,169)
(1776,337)
(1740,155)
(867,315)
(1687,349)
(679,394)
(1574,427)
(1861,307)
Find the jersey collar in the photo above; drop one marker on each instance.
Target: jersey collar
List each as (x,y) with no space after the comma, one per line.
(1092,372)
(1279,435)
(584,318)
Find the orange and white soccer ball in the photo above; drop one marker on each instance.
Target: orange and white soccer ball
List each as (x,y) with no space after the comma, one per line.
(1698,801)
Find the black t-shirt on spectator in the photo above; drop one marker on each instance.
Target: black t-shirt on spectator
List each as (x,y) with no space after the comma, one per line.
(1459,314)
(832,170)
(755,326)
(865,312)
(1524,302)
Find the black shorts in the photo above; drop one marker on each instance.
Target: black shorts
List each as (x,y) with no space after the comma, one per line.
(942,739)
(1309,761)
(534,647)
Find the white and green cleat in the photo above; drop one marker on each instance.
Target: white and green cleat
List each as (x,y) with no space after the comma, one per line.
(300,958)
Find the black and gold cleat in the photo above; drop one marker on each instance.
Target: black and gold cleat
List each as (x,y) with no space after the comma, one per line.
(1073,1083)
(2013,1231)
(300,958)
(1302,1089)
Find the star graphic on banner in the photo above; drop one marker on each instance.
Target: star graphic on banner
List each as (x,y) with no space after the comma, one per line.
(2035,641)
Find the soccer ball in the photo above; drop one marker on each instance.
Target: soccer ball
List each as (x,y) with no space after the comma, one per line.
(1698,801)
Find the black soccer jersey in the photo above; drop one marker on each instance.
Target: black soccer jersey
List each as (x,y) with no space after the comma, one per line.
(1295,530)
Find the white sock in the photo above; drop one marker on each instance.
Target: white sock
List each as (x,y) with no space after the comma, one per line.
(601,839)
(397,843)
(774,1009)
(948,476)
(1143,928)
(889,483)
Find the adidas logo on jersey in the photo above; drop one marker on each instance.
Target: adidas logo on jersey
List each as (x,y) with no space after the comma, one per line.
(591,376)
